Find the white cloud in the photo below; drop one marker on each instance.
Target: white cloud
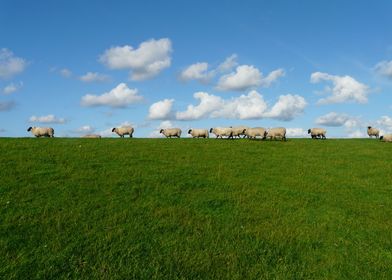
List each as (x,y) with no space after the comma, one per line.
(345,89)
(228,64)
(296,132)
(197,71)
(147,61)
(357,134)
(47,119)
(250,106)
(385,122)
(66,73)
(384,68)
(85,129)
(165,124)
(161,110)
(11,88)
(119,97)
(10,65)
(90,77)
(247,76)
(338,119)
(287,108)
(6,106)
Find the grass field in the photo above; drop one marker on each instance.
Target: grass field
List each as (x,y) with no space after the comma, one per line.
(195,209)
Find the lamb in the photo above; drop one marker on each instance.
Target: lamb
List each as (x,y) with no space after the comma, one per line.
(91,136)
(197,133)
(373,132)
(239,130)
(317,132)
(386,138)
(222,131)
(277,132)
(121,131)
(171,132)
(41,131)
(252,133)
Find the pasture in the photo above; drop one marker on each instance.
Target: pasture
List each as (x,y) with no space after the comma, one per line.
(195,209)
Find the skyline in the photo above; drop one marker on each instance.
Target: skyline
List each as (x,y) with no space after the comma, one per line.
(88,67)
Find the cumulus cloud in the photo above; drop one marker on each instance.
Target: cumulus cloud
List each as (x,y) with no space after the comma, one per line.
(119,97)
(161,110)
(296,132)
(338,119)
(47,119)
(246,106)
(385,123)
(90,77)
(11,88)
(10,65)
(287,108)
(145,62)
(247,76)
(66,73)
(86,129)
(384,68)
(197,71)
(228,64)
(6,105)
(345,89)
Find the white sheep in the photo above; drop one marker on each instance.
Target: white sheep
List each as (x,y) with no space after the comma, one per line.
(91,136)
(371,131)
(255,131)
(386,138)
(197,133)
(277,132)
(239,130)
(171,132)
(121,131)
(41,131)
(317,132)
(222,131)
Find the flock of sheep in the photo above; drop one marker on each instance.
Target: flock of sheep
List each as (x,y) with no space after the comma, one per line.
(220,132)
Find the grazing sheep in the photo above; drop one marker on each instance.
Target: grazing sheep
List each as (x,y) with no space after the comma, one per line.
(42,131)
(171,132)
(239,130)
(91,136)
(252,133)
(197,133)
(277,132)
(317,132)
(222,131)
(121,131)
(373,132)
(386,138)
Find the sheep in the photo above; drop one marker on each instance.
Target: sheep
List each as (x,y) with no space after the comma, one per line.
(386,138)
(41,131)
(171,132)
(255,131)
(317,132)
(91,136)
(277,132)
(239,130)
(373,132)
(197,133)
(121,131)
(222,131)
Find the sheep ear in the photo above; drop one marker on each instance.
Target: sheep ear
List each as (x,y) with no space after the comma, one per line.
(113,129)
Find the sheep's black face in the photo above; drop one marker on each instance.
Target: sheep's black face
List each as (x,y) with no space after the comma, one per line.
(369,127)
(29,129)
(244,131)
(113,129)
(381,137)
(189,131)
(211,130)
(161,131)
(309,131)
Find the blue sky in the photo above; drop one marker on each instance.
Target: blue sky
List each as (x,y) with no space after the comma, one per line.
(87,66)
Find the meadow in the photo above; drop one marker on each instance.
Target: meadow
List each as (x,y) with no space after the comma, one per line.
(195,209)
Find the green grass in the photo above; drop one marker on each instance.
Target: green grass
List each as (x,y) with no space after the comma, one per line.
(195,209)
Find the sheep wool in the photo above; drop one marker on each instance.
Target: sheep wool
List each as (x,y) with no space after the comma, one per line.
(171,132)
(277,132)
(197,133)
(239,130)
(252,133)
(371,131)
(386,138)
(121,131)
(41,131)
(315,133)
(222,131)
(91,136)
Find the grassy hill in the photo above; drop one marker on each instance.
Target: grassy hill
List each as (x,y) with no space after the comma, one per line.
(195,209)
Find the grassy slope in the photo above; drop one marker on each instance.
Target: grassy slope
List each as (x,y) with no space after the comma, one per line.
(184,208)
